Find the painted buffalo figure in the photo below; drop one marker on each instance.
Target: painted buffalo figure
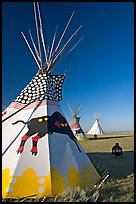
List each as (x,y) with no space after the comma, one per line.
(43,125)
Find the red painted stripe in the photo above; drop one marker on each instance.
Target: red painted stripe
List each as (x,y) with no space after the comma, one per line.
(75,127)
(17,105)
(4,113)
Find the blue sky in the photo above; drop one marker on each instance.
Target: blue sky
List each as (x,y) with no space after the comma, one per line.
(100,69)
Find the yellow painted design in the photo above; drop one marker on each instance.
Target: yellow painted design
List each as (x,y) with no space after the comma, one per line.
(5,181)
(29,184)
(40,120)
(26,185)
(62,124)
(46,119)
(74,178)
(57,181)
(91,177)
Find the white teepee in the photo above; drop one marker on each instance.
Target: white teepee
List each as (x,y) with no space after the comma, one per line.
(96,128)
(75,125)
(40,154)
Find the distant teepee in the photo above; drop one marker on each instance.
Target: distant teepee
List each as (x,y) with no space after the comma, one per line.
(96,128)
(75,125)
(40,154)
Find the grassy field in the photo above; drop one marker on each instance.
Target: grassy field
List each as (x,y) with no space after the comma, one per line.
(99,150)
(120,184)
(119,187)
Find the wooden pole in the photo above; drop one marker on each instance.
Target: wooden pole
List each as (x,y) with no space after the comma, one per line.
(37,33)
(36,51)
(72,36)
(41,32)
(30,49)
(64,32)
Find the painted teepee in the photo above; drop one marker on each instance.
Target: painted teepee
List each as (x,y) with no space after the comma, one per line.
(96,129)
(75,124)
(40,154)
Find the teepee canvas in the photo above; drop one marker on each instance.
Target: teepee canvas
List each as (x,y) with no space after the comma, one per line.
(96,129)
(75,125)
(40,154)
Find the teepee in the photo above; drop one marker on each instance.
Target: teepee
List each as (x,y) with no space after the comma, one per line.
(96,129)
(40,154)
(75,125)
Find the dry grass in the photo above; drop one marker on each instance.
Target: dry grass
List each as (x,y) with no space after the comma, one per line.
(120,185)
(119,190)
(104,143)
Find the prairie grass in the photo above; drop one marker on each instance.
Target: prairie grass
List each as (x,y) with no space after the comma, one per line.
(118,190)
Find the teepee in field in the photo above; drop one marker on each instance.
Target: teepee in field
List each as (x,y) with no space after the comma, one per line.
(96,129)
(75,124)
(40,154)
